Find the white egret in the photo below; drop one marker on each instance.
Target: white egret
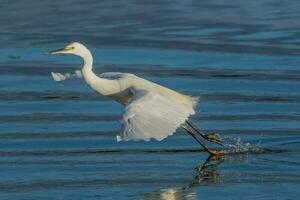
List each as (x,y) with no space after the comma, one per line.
(151,110)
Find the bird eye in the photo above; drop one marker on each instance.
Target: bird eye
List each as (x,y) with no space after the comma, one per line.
(71,48)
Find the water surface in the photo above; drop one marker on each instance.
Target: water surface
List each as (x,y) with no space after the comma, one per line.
(242,59)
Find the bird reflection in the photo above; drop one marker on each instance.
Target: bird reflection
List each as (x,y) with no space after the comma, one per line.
(205,173)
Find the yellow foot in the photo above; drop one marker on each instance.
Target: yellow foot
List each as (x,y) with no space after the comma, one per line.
(214,138)
(216,152)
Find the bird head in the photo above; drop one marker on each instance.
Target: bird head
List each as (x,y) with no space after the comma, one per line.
(73,48)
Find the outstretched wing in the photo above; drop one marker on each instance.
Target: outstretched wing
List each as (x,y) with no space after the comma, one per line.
(67,77)
(77,76)
(150,115)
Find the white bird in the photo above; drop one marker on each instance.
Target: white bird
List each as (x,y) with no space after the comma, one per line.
(151,110)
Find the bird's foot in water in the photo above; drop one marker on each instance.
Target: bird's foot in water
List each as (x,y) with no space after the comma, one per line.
(216,152)
(215,139)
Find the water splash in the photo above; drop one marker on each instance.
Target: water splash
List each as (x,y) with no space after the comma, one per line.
(235,145)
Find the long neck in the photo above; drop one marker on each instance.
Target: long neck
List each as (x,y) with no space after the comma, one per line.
(87,72)
(104,86)
(87,64)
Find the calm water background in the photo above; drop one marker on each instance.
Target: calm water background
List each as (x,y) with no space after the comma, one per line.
(241,57)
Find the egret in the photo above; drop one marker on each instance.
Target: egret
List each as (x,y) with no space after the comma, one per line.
(151,111)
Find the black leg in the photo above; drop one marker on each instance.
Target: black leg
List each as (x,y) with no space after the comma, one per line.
(210,137)
(209,150)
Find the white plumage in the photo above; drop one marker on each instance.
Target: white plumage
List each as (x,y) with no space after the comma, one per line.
(151,115)
(151,110)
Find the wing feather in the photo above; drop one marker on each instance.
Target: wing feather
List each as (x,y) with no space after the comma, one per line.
(77,76)
(150,115)
(67,77)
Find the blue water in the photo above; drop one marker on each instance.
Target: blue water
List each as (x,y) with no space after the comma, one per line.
(57,141)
